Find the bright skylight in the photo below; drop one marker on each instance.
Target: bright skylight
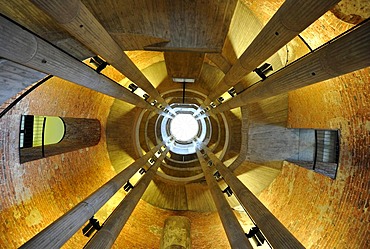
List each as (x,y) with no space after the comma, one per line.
(184,127)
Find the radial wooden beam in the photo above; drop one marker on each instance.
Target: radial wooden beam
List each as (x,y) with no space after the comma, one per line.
(291,18)
(220,61)
(345,54)
(61,230)
(25,48)
(112,227)
(73,16)
(233,229)
(275,232)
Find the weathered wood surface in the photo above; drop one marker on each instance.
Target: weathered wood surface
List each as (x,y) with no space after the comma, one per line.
(275,232)
(291,19)
(345,54)
(23,47)
(233,229)
(56,234)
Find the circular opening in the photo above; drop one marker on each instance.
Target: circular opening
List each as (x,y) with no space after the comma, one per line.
(184,127)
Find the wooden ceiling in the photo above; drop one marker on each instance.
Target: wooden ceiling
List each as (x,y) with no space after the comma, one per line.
(184,64)
(166,25)
(184,29)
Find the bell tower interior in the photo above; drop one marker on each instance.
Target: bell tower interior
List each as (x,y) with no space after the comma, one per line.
(184,124)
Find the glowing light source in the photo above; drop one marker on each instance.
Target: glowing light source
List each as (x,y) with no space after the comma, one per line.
(184,127)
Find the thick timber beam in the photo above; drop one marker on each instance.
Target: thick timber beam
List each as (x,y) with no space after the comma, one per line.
(112,227)
(61,230)
(275,232)
(345,54)
(73,16)
(291,19)
(233,229)
(25,48)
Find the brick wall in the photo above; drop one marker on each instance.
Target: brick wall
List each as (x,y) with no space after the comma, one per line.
(36,193)
(320,212)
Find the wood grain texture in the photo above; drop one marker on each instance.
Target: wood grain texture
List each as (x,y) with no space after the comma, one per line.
(166,20)
(275,232)
(56,234)
(234,231)
(28,15)
(346,54)
(29,50)
(292,18)
(81,23)
(14,78)
(106,236)
(184,64)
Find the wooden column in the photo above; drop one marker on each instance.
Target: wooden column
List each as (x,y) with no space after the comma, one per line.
(275,232)
(112,227)
(73,16)
(291,18)
(342,55)
(61,230)
(21,46)
(233,229)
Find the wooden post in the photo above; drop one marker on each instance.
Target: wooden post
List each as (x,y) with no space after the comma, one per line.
(21,46)
(233,229)
(275,232)
(73,16)
(61,230)
(291,18)
(112,227)
(345,54)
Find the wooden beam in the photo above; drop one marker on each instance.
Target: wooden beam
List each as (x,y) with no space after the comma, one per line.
(220,61)
(112,227)
(291,18)
(73,16)
(275,232)
(345,54)
(184,64)
(14,78)
(233,229)
(25,48)
(61,230)
(166,48)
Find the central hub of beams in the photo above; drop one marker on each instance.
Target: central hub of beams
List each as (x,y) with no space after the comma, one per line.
(184,127)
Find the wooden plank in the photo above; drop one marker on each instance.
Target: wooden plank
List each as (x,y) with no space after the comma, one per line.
(275,232)
(82,24)
(14,78)
(345,54)
(23,47)
(183,64)
(187,25)
(291,19)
